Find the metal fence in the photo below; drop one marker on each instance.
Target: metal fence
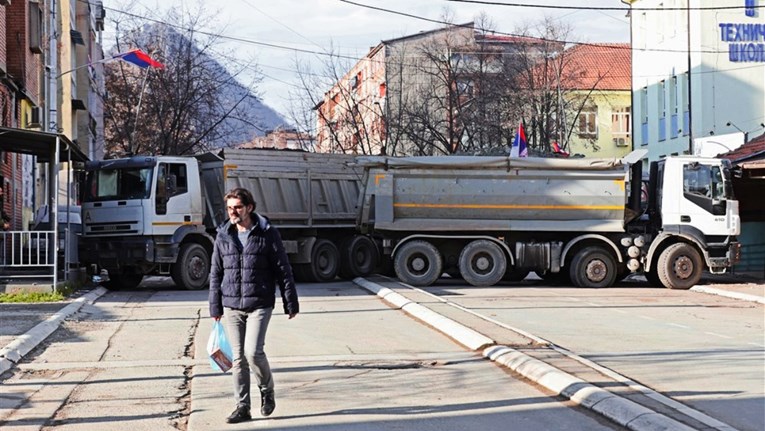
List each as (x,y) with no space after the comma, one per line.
(28,254)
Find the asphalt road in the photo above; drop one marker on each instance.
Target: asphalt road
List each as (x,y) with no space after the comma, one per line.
(136,360)
(704,351)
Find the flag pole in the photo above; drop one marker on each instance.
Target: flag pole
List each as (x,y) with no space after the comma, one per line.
(138,107)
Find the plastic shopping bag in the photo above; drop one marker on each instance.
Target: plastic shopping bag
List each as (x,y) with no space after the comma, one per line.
(219,349)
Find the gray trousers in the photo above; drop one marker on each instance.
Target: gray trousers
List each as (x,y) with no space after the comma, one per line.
(246,332)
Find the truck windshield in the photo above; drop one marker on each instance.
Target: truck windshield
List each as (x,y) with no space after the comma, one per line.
(707,181)
(118,184)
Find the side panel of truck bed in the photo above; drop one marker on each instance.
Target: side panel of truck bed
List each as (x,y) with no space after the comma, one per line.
(294,189)
(473,196)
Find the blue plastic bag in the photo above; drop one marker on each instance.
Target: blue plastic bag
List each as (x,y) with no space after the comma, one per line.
(219,349)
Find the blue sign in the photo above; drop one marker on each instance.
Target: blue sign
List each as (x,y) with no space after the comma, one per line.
(746,41)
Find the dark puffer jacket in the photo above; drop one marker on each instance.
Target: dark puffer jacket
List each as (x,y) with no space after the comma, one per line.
(245,279)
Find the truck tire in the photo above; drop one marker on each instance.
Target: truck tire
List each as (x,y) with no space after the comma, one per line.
(325,260)
(192,269)
(593,267)
(679,266)
(418,263)
(358,257)
(482,263)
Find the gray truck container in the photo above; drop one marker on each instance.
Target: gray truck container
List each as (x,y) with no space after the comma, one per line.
(310,197)
(459,193)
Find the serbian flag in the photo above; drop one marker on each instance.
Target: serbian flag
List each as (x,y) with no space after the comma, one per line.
(520,145)
(140,59)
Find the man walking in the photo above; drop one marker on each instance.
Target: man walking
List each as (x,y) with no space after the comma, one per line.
(248,262)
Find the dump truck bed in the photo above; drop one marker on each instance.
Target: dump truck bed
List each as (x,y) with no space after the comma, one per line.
(472,193)
(293,189)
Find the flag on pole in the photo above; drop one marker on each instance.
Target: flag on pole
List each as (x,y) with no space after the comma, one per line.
(558,150)
(520,145)
(140,59)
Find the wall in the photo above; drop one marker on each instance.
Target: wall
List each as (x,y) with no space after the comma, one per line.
(720,90)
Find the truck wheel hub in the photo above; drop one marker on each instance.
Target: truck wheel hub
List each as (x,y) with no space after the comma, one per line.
(683,267)
(596,271)
(482,263)
(195,268)
(418,264)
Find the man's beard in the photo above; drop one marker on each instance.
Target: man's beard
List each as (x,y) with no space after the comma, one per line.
(236,220)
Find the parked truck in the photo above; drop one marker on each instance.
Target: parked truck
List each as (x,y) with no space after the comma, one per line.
(156,215)
(578,220)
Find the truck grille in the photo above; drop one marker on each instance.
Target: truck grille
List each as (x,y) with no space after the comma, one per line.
(111,228)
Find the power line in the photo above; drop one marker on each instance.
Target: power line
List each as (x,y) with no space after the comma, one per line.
(568,42)
(600,8)
(357,59)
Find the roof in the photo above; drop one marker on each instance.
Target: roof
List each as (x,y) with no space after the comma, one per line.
(752,150)
(40,144)
(603,66)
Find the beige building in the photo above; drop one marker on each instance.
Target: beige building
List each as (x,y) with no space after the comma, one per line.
(600,102)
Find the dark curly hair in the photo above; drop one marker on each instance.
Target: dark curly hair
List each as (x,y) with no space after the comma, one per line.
(243,195)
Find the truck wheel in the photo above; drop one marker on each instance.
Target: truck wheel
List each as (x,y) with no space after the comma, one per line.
(679,266)
(593,267)
(324,261)
(418,263)
(358,257)
(192,269)
(482,263)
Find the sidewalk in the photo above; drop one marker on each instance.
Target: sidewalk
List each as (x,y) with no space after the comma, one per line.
(351,362)
(348,342)
(737,286)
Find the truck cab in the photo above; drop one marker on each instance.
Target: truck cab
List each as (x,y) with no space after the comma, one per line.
(141,215)
(694,201)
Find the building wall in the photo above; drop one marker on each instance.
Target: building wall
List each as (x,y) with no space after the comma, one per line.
(607,103)
(67,61)
(407,82)
(685,84)
(353,110)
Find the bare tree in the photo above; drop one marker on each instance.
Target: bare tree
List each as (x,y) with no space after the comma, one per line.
(193,104)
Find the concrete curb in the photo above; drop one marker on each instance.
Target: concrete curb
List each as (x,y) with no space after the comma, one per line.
(729,294)
(12,353)
(620,410)
(467,337)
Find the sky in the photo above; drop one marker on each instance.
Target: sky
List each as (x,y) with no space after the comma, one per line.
(351,29)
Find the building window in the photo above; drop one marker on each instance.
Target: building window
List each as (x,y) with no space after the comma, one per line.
(686,103)
(35,28)
(588,125)
(662,110)
(621,126)
(644,116)
(464,87)
(674,122)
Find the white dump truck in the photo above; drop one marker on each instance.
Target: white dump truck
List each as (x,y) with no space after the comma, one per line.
(156,215)
(578,220)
